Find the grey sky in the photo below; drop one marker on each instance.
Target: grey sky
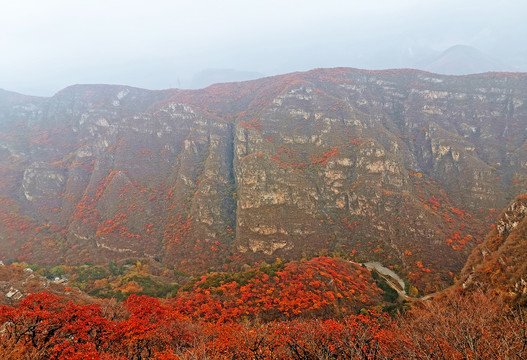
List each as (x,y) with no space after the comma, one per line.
(47,45)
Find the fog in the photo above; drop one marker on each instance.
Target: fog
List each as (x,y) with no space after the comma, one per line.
(156,44)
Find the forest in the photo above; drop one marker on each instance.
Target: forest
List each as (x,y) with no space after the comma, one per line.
(323,308)
(458,326)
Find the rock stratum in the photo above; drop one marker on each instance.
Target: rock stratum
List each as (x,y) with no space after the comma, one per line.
(400,166)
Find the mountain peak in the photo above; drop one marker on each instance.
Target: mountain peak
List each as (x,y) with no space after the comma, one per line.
(462,60)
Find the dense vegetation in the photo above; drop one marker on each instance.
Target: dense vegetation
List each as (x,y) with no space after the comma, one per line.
(320,287)
(460,326)
(323,308)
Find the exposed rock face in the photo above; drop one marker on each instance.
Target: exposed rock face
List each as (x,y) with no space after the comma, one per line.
(403,167)
(500,263)
(41,181)
(512,216)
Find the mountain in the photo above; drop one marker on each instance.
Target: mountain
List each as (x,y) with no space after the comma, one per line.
(461,60)
(402,167)
(500,263)
(213,76)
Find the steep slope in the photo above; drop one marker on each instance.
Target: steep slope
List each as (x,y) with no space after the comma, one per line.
(500,263)
(403,167)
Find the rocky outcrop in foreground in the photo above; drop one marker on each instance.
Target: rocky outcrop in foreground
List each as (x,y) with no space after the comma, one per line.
(500,263)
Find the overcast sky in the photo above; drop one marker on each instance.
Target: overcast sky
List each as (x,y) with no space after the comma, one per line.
(47,45)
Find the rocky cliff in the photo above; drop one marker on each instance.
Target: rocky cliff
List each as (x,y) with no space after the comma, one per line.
(404,167)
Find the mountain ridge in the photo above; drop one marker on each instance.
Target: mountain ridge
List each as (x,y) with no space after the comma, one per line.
(401,166)
(498,264)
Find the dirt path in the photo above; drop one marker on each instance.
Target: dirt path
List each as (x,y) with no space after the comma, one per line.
(393,280)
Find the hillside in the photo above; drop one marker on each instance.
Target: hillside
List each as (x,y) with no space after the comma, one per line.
(321,287)
(402,167)
(500,263)
(17,283)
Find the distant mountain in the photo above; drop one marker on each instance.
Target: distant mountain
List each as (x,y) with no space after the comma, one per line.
(461,60)
(401,167)
(214,76)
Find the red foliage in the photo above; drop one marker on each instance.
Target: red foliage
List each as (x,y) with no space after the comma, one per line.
(253,124)
(323,159)
(288,159)
(457,240)
(458,326)
(178,230)
(322,286)
(46,327)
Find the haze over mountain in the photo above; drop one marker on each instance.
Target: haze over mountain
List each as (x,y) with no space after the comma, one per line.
(214,76)
(164,44)
(461,60)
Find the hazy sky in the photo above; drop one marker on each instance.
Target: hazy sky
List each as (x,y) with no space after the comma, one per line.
(47,45)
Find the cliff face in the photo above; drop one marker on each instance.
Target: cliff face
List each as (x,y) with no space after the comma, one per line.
(404,167)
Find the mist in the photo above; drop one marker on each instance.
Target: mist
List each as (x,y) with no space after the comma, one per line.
(159,44)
